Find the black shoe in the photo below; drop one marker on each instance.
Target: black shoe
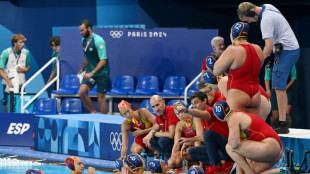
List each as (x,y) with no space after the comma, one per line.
(282,128)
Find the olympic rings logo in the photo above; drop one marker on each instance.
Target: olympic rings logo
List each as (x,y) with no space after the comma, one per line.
(115,140)
(116,34)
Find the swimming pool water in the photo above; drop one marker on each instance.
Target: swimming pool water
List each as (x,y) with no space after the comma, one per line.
(22,166)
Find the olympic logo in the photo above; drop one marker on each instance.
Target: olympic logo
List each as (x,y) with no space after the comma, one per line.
(116,34)
(115,140)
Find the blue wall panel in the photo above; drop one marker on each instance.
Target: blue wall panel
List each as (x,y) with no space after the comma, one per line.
(160,52)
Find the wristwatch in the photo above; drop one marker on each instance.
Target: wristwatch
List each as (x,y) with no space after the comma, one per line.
(93,72)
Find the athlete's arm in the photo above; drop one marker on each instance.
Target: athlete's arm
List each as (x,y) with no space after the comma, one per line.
(225,61)
(234,132)
(125,136)
(178,134)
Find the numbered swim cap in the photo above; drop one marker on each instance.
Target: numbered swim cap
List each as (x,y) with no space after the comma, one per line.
(195,169)
(221,109)
(210,78)
(119,163)
(239,29)
(134,161)
(155,166)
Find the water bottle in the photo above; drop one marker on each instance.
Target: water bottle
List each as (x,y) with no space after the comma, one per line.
(144,156)
(185,166)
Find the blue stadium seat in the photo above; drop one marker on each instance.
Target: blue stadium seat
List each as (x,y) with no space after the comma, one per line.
(193,88)
(146,85)
(146,104)
(46,106)
(174,86)
(93,91)
(70,84)
(71,106)
(171,102)
(122,85)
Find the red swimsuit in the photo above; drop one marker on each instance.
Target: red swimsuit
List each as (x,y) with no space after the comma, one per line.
(245,78)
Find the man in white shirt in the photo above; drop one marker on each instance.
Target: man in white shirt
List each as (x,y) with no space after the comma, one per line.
(280,38)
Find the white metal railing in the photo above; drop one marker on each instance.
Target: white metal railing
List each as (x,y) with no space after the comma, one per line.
(56,78)
(188,86)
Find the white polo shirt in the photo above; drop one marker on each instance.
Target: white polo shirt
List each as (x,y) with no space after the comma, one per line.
(274,25)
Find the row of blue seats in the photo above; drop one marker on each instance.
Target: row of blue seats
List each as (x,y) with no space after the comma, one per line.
(74,106)
(125,85)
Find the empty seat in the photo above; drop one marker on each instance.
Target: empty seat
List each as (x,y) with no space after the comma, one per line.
(174,86)
(71,106)
(171,102)
(193,88)
(46,106)
(146,85)
(70,84)
(93,91)
(146,104)
(122,85)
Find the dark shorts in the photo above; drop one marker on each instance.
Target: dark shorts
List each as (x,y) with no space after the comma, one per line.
(281,70)
(101,81)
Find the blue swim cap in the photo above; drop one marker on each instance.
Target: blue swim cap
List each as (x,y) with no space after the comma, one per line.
(210,78)
(155,166)
(210,62)
(239,29)
(221,109)
(134,161)
(119,163)
(34,171)
(195,169)
(171,171)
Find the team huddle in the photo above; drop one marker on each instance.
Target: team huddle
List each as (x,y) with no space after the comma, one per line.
(226,122)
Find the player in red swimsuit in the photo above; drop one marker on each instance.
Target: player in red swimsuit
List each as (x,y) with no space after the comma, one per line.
(243,61)
(265,104)
(252,143)
(187,127)
(139,122)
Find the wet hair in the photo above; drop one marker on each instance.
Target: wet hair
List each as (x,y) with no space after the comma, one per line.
(17,37)
(200,95)
(87,23)
(56,40)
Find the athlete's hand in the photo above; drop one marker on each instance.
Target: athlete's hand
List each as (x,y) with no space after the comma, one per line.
(88,75)
(137,132)
(91,170)
(184,149)
(184,140)
(147,139)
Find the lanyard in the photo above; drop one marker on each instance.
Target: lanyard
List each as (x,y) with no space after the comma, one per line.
(88,42)
(17,58)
